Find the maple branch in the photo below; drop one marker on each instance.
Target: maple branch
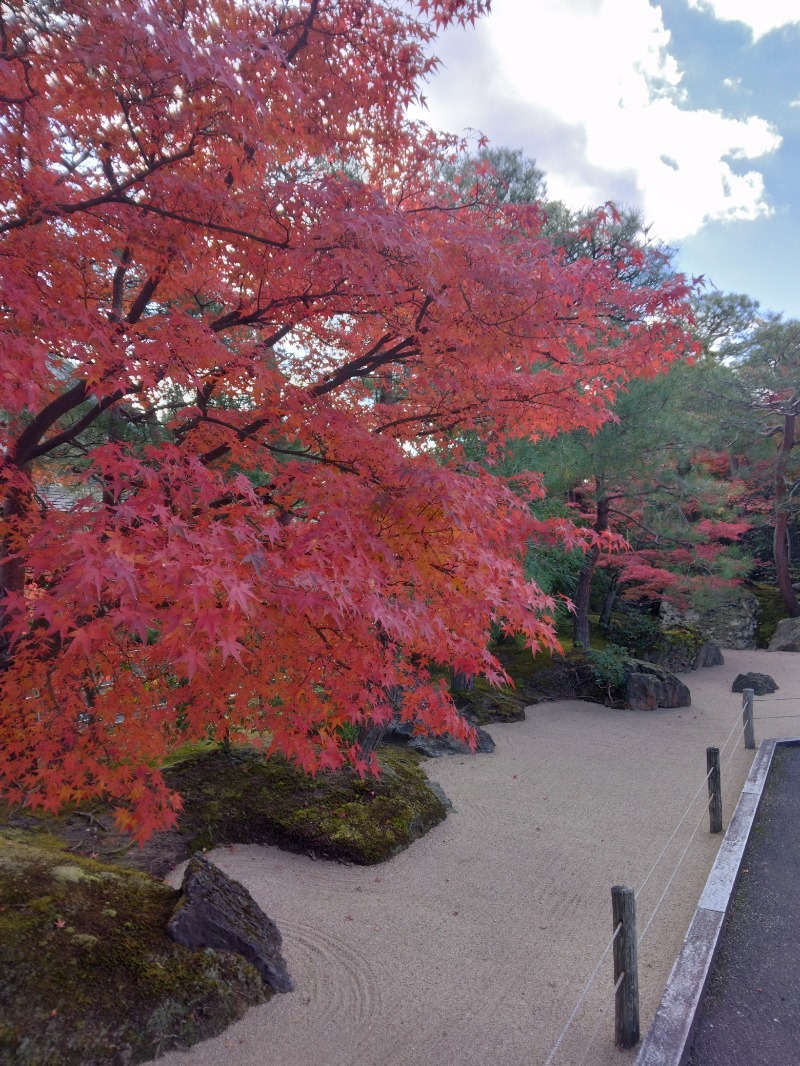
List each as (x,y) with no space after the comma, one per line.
(34,218)
(426,303)
(302,40)
(367,364)
(75,430)
(46,418)
(118,286)
(139,305)
(216,227)
(362,367)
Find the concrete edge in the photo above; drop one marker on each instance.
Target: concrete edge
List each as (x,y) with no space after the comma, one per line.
(669,1037)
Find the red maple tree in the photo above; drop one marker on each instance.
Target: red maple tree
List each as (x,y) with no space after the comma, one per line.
(246,329)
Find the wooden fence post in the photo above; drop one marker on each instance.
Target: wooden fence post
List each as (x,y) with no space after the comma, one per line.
(626,1013)
(714,790)
(747,718)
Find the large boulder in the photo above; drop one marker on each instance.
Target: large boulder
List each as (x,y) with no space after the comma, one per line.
(216,912)
(761,684)
(648,686)
(731,621)
(786,636)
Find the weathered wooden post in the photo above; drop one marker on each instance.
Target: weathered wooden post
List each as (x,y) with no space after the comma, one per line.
(747,718)
(626,1013)
(714,790)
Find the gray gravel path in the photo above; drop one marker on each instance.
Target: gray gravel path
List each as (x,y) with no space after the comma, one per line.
(751,1012)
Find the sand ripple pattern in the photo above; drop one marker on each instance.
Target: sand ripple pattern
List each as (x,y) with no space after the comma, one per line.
(335,976)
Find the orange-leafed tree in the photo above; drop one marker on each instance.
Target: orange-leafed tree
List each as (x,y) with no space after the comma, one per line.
(246,330)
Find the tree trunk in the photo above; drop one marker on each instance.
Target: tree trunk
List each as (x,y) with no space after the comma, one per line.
(370,735)
(12,571)
(608,603)
(780,540)
(583,591)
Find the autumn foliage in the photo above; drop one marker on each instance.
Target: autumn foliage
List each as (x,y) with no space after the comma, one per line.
(247,328)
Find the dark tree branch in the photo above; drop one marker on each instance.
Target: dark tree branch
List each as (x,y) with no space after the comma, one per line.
(302,40)
(112,196)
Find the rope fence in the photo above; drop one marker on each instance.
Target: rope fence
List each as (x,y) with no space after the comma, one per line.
(742,727)
(600,1020)
(583,996)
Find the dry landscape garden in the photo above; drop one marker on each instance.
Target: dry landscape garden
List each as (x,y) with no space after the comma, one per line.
(328,442)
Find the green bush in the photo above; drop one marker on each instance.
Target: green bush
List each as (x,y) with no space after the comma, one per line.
(637,632)
(608,666)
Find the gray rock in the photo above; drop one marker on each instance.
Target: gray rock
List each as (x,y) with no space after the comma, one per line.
(648,686)
(709,655)
(446,744)
(761,684)
(731,621)
(786,636)
(216,912)
(434,747)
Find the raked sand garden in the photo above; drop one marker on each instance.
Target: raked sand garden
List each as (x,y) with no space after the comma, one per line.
(473,946)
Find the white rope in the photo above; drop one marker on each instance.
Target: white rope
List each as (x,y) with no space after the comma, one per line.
(683,855)
(641,887)
(583,995)
(593,1033)
(672,878)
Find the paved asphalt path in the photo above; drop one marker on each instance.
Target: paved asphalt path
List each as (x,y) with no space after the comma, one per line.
(751,1013)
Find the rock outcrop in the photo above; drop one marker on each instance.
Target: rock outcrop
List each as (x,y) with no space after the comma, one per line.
(786,636)
(731,622)
(216,912)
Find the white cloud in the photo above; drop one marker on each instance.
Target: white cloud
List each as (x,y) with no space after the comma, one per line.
(761,16)
(591,91)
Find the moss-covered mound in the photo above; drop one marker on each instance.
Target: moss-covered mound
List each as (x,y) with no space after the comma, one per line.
(484,705)
(773,609)
(88,973)
(240,798)
(579,675)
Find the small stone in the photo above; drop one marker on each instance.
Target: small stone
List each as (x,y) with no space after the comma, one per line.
(434,747)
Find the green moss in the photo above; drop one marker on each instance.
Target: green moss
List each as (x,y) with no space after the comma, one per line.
(88,973)
(773,610)
(236,798)
(484,705)
(687,638)
(77,985)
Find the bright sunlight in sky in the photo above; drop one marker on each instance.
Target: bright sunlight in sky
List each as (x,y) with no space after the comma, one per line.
(688,110)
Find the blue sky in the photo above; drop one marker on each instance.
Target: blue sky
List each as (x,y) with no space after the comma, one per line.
(686,109)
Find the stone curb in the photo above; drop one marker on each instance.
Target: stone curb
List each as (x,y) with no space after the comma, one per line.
(669,1039)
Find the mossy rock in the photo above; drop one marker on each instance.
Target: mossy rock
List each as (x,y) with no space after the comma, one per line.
(675,649)
(241,798)
(483,706)
(237,797)
(773,610)
(571,676)
(88,973)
